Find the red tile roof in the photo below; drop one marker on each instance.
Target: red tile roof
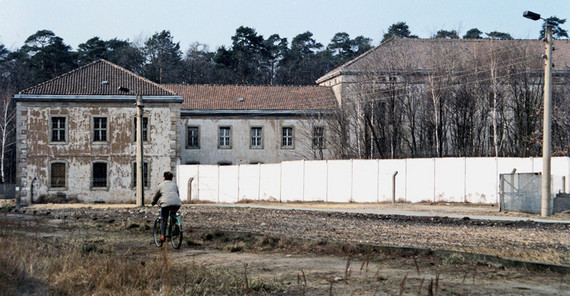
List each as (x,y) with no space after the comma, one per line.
(98,78)
(240,97)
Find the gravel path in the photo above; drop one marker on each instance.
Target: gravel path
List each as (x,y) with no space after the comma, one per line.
(425,232)
(525,240)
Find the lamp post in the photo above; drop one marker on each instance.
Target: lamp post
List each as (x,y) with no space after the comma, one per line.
(139,154)
(546,208)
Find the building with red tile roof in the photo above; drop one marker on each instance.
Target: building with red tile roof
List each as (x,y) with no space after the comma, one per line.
(75,135)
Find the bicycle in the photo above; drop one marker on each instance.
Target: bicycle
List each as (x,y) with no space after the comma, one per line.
(175,235)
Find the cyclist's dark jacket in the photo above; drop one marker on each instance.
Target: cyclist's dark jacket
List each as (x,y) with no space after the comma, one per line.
(168,194)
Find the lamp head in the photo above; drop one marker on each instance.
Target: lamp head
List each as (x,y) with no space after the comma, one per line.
(531,15)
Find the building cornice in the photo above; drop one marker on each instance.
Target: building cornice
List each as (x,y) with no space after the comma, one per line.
(95,99)
(222,113)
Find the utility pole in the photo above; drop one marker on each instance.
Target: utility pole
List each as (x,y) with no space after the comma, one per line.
(140,158)
(546,205)
(139,149)
(546,208)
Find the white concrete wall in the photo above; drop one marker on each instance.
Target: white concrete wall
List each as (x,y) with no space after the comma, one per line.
(474,180)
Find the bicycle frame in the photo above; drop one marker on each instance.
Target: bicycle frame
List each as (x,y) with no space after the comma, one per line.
(174,236)
(174,218)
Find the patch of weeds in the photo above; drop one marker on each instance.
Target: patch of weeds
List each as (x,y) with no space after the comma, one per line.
(268,241)
(192,243)
(134,225)
(454,259)
(237,247)
(210,236)
(266,286)
(6,208)
(89,248)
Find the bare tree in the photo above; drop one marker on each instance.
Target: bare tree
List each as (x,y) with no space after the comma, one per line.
(426,98)
(7,130)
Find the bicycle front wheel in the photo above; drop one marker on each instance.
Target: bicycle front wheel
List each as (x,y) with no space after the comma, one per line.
(156,231)
(176,237)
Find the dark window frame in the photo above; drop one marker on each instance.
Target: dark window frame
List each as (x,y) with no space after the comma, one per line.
(318,137)
(287,139)
(146,176)
(56,181)
(58,130)
(256,140)
(145,130)
(193,142)
(100,134)
(103,184)
(222,143)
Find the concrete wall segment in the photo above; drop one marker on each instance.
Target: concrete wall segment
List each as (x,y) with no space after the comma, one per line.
(450,179)
(470,180)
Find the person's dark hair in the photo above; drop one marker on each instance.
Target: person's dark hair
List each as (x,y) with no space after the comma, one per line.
(168,176)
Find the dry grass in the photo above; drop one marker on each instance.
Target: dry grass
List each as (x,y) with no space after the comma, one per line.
(60,266)
(548,255)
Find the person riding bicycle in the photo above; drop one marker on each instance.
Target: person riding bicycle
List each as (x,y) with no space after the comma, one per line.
(169,201)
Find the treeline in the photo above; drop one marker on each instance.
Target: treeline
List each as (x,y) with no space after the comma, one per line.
(251,59)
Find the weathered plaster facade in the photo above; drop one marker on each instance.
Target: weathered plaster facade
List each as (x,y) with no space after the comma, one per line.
(79,151)
(241,151)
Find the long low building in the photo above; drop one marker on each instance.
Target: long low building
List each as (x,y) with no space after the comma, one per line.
(235,124)
(76,132)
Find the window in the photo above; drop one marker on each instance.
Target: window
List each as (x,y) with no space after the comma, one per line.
(100,129)
(58,129)
(256,138)
(99,175)
(193,139)
(287,137)
(144,129)
(225,137)
(145,175)
(57,173)
(318,137)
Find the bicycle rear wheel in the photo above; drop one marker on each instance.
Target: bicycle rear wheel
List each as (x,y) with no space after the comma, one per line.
(156,232)
(176,235)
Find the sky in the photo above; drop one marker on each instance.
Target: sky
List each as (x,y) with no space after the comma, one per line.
(213,22)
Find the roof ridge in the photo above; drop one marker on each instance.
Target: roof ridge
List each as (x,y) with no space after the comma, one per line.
(136,75)
(91,64)
(242,85)
(354,60)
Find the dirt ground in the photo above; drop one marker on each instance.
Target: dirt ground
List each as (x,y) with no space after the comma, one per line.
(436,208)
(314,253)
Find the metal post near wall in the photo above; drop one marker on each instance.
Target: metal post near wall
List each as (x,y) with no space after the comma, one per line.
(394,187)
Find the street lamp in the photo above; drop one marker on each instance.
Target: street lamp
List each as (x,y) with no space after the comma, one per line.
(546,209)
(139,155)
